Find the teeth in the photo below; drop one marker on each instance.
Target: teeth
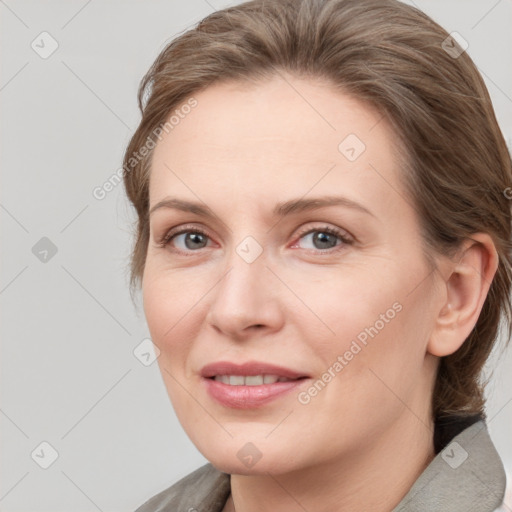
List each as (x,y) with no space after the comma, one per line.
(249,380)
(252,380)
(236,380)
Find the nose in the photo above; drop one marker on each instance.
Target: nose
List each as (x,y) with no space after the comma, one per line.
(246,300)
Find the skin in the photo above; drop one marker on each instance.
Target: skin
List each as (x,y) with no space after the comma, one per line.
(361,442)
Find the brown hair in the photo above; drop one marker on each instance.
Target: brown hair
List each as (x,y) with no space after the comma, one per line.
(397,59)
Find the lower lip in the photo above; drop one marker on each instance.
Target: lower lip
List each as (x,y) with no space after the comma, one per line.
(248,397)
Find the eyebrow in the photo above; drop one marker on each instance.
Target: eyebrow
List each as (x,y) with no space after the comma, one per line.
(280,210)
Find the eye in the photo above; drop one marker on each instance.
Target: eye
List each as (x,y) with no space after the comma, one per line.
(191,240)
(187,239)
(324,238)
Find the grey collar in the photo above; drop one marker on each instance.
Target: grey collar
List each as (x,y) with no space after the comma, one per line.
(465,476)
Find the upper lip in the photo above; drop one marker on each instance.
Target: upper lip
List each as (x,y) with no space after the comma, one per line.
(248,368)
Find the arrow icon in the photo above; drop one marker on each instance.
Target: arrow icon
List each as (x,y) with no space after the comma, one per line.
(454,455)
(146,352)
(351,147)
(249,252)
(44,250)
(454,45)
(249,455)
(44,44)
(44,455)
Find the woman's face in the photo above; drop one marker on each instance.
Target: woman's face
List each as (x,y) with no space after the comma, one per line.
(301,251)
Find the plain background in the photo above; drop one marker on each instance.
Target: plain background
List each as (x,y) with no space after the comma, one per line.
(69,376)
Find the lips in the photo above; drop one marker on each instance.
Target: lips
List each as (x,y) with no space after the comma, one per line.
(249,385)
(250,380)
(251,368)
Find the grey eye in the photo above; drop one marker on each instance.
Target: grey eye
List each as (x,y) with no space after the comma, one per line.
(191,240)
(319,240)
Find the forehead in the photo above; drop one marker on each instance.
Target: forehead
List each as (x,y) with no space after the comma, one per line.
(283,136)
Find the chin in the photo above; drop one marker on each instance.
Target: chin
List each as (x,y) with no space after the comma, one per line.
(233,466)
(245,458)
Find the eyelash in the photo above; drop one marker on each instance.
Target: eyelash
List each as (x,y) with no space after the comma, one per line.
(165,240)
(330,230)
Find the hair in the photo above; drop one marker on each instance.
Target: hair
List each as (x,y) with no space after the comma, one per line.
(392,57)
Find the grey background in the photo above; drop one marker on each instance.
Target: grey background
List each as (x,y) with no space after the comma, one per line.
(68,372)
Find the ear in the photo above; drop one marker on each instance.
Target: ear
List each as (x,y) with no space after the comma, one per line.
(467,281)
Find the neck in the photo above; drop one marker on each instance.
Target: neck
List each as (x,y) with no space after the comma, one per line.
(376,478)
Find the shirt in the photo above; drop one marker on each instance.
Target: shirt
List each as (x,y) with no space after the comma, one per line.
(466,475)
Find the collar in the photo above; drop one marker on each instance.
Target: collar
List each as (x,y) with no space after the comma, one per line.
(466,475)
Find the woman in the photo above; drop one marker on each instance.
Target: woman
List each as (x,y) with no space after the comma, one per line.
(323,247)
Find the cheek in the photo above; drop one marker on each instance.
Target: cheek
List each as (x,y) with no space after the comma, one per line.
(371,319)
(170,296)
(347,303)
(169,310)
(169,303)
(158,310)
(389,372)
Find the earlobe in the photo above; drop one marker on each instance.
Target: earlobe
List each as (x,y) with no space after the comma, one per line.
(467,284)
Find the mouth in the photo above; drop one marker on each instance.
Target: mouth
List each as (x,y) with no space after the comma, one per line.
(251,380)
(249,385)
